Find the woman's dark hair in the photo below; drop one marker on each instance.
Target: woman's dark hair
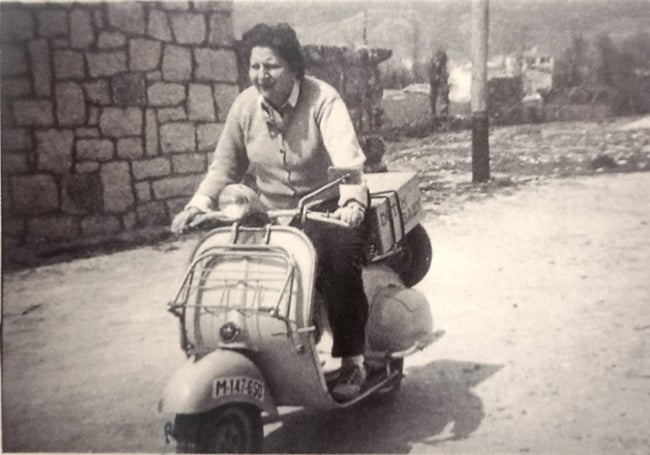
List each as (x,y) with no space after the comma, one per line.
(281,38)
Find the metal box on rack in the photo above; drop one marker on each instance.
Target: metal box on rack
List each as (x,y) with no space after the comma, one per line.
(395,208)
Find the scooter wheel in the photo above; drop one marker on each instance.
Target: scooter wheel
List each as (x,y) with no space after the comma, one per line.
(235,428)
(414,263)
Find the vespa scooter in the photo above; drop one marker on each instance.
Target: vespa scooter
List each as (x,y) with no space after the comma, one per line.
(251,320)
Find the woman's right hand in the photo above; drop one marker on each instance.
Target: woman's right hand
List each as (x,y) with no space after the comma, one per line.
(183,219)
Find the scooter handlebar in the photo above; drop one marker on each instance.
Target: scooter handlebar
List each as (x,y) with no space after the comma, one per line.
(219,217)
(326,218)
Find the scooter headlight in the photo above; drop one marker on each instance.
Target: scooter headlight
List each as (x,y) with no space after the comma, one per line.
(229,332)
(236,200)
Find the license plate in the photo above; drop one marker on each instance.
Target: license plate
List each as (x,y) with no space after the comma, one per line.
(239,385)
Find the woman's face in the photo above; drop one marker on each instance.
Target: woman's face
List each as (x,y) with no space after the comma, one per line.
(271,75)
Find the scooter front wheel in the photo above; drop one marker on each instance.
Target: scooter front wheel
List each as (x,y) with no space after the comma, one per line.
(235,428)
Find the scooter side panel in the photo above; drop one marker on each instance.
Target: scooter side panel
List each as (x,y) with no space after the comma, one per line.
(216,379)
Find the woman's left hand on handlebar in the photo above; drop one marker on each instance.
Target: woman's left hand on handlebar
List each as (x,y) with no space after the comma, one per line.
(352,213)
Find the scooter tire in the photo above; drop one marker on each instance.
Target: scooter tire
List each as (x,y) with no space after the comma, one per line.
(414,263)
(235,428)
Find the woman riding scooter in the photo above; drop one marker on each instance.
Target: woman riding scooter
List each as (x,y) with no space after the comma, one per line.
(287,130)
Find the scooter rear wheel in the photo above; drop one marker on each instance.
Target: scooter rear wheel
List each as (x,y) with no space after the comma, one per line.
(236,428)
(414,262)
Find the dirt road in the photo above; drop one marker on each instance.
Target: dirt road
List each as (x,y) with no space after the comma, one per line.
(544,293)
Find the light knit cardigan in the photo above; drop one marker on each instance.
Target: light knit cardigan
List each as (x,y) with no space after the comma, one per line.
(288,160)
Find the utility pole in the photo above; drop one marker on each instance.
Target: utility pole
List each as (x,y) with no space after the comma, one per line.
(480,132)
(365,27)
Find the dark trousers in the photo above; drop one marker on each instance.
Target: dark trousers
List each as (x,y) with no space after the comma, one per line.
(341,256)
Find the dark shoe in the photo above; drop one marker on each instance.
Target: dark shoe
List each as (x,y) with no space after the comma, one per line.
(348,385)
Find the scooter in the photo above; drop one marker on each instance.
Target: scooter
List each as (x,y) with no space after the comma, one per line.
(253,325)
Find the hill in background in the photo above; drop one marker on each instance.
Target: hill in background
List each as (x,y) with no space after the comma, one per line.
(416,28)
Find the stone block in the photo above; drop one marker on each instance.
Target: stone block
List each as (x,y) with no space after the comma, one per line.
(29,112)
(208,135)
(59,43)
(86,132)
(175,186)
(129,89)
(177,63)
(100,225)
(17,23)
(189,163)
(81,29)
(171,114)
(54,150)
(143,191)
(144,54)
(111,40)
(224,6)
(12,88)
(16,139)
(225,95)
(188,28)
(176,205)
(155,167)
(52,22)
(215,65)
(50,228)
(99,18)
(95,149)
(200,103)
(154,76)
(158,26)
(85,167)
(152,214)
(175,6)
(121,122)
(128,17)
(116,181)
(130,148)
(177,137)
(106,63)
(128,220)
(12,226)
(93,115)
(34,194)
(68,64)
(39,53)
(165,94)
(221,30)
(14,162)
(70,104)
(81,193)
(97,92)
(151,133)
(14,60)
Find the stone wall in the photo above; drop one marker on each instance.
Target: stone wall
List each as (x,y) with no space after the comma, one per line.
(110,112)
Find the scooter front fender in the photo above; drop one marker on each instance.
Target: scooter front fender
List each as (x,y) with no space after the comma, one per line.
(213,380)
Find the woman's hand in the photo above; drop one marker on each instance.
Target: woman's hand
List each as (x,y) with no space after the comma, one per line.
(352,213)
(181,221)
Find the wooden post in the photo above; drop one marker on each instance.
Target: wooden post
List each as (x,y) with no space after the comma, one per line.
(480,127)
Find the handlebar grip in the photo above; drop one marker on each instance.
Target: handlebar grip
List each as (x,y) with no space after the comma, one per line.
(325,218)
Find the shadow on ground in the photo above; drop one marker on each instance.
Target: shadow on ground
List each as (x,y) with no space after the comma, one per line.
(434,397)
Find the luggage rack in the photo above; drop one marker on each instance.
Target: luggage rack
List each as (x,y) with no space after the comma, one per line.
(256,280)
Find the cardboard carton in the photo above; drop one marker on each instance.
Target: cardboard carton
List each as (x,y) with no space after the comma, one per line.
(404,198)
